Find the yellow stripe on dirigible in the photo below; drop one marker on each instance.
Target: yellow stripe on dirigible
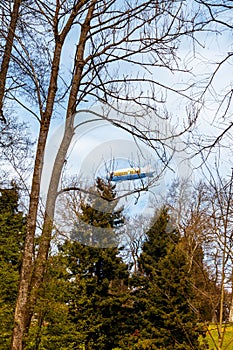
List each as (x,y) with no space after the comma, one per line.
(128,174)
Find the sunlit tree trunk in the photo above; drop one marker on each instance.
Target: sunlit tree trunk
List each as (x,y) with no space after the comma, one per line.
(40,262)
(21,310)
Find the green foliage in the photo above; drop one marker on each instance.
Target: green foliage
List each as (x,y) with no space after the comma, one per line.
(99,220)
(83,302)
(12,230)
(89,301)
(51,327)
(163,292)
(100,277)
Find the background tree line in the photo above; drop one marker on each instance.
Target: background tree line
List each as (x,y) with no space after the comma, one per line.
(91,297)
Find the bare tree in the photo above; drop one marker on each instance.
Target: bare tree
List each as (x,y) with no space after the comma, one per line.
(205,222)
(219,95)
(221,221)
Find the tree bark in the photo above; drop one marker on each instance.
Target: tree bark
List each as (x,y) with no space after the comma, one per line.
(40,262)
(21,310)
(27,261)
(7,54)
(24,306)
(44,246)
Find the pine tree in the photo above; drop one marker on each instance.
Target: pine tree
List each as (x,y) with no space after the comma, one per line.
(163,292)
(12,230)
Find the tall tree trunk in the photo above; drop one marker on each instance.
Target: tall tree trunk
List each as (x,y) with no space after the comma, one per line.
(21,310)
(27,261)
(23,307)
(41,260)
(7,54)
(44,246)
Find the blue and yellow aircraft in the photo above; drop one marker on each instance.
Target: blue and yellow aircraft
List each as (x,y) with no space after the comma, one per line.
(128,174)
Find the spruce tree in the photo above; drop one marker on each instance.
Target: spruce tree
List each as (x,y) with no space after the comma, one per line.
(97,224)
(97,294)
(12,230)
(164,316)
(87,284)
(100,275)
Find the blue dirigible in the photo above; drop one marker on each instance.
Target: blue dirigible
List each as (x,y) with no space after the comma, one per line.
(128,174)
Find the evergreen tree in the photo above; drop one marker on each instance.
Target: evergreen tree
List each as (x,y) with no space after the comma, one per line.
(99,274)
(163,292)
(98,294)
(12,230)
(98,223)
(91,313)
